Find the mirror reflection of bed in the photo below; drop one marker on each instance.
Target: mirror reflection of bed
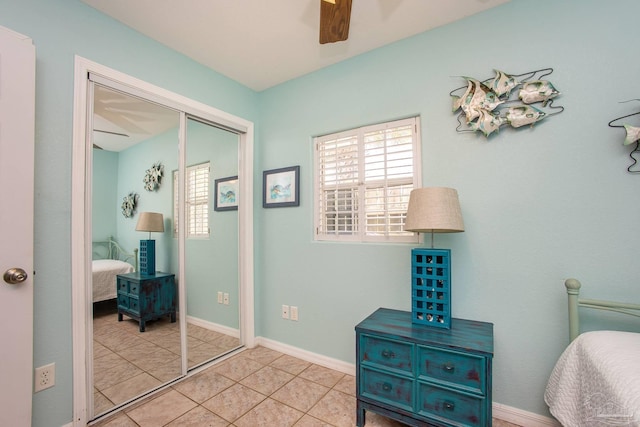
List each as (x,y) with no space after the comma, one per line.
(128,363)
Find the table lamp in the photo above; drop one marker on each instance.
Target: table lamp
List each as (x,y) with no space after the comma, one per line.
(151,222)
(432,210)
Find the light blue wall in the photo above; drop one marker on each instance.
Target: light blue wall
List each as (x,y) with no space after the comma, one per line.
(105,186)
(60,30)
(212,263)
(132,166)
(539,205)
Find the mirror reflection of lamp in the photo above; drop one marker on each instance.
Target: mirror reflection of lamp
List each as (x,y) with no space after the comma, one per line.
(151,222)
(432,210)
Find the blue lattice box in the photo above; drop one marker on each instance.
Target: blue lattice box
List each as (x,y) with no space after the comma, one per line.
(148,257)
(431,287)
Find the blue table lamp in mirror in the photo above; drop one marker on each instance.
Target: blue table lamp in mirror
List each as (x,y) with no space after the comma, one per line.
(150,222)
(432,210)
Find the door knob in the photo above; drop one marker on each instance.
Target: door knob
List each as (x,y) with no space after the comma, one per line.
(14,276)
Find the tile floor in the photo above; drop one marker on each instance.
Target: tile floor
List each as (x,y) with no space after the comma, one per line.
(257,387)
(128,363)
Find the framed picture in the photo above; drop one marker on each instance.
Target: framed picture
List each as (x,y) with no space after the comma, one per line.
(226,194)
(281,187)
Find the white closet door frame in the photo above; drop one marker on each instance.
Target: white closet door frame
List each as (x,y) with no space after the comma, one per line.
(80,205)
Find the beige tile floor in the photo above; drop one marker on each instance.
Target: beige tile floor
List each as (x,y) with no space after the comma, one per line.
(257,387)
(128,363)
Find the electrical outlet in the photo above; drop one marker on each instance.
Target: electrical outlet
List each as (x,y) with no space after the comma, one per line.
(219,297)
(45,377)
(294,312)
(226,298)
(285,311)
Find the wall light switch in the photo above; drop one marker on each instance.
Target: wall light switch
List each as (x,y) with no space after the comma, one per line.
(226,298)
(294,312)
(285,311)
(219,297)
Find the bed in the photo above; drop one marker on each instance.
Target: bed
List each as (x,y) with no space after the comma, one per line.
(596,380)
(109,260)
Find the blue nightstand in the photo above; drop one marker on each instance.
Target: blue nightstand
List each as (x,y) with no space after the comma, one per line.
(146,297)
(418,374)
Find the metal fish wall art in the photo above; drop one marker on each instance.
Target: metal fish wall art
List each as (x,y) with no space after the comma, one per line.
(487,105)
(537,91)
(524,115)
(476,98)
(632,136)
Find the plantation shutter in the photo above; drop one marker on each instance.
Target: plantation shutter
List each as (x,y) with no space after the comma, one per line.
(363,178)
(197,200)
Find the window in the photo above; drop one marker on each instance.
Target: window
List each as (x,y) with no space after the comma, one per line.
(196,201)
(363,178)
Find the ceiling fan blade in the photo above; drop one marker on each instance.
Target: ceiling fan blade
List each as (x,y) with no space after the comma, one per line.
(111,133)
(335,17)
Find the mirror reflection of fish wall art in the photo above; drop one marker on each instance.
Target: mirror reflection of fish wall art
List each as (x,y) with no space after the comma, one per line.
(281,187)
(507,99)
(226,194)
(153,176)
(129,203)
(632,137)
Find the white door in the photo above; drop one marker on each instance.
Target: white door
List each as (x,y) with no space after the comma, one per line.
(17,111)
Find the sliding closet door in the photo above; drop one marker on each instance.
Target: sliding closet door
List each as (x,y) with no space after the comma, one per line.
(141,149)
(211,200)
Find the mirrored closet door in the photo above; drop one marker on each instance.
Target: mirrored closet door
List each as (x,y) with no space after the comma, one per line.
(211,244)
(166,294)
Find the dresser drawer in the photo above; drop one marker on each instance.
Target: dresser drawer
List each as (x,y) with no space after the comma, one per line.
(387,353)
(387,388)
(463,370)
(128,287)
(129,303)
(447,405)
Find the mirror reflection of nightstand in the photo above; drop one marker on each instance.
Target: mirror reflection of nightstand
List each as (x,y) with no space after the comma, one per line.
(145,297)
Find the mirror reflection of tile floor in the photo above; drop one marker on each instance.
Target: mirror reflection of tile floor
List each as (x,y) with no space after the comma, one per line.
(128,363)
(257,387)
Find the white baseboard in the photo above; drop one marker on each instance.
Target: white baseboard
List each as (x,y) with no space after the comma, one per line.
(214,326)
(503,412)
(522,418)
(318,359)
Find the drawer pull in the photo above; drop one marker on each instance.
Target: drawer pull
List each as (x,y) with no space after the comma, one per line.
(388,354)
(387,386)
(449,406)
(449,368)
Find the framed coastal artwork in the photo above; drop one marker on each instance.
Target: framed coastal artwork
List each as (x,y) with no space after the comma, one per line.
(281,187)
(226,194)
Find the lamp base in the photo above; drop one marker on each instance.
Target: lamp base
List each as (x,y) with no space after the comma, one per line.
(148,257)
(431,287)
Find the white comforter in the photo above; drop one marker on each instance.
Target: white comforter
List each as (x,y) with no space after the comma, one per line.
(596,381)
(104,277)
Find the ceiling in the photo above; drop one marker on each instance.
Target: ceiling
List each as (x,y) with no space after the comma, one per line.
(262,43)
(121,120)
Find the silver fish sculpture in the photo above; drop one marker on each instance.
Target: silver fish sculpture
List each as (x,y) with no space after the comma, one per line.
(524,115)
(487,122)
(478,97)
(633,134)
(503,83)
(536,91)
(465,98)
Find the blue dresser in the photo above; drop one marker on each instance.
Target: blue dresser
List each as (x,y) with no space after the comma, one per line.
(421,375)
(146,297)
